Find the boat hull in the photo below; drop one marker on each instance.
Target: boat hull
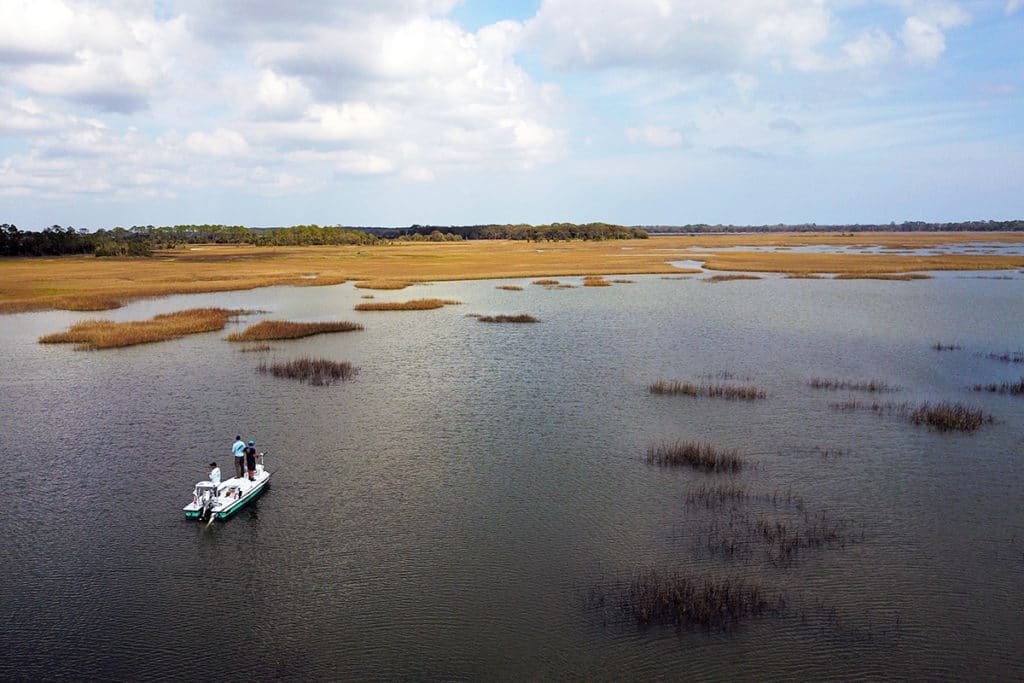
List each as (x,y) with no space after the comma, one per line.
(226,508)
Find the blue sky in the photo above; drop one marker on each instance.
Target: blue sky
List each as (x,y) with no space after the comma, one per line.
(395,112)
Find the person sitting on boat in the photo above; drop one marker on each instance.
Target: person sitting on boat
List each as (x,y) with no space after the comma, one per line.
(250,459)
(238,451)
(214,473)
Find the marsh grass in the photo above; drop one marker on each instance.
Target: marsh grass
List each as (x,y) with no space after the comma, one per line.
(382,284)
(943,416)
(315,371)
(803,276)
(414,305)
(782,535)
(546,282)
(1007,357)
(595,281)
(270,330)
(654,598)
(510,288)
(730,278)
(623,281)
(698,455)
(106,334)
(939,346)
(726,391)
(874,385)
(1012,388)
(518,318)
(94,302)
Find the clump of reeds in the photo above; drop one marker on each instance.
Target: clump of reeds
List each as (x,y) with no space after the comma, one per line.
(803,276)
(414,305)
(547,282)
(623,281)
(510,288)
(946,416)
(939,346)
(269,330)
(315,371)
(382,284)
(1012,388)
(695,454)
(105,334)
(367,296)
(836,384)
(255,348)
(595,281)
(726,391)
(670,598)
(943,416)
(519,318)
(830,452)
(728,278)
(1008,357)
(883,276)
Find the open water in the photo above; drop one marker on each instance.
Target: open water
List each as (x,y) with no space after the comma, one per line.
(470,506)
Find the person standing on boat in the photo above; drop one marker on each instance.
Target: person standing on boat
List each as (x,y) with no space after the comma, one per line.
(250,459)
(238,451)
(214,473)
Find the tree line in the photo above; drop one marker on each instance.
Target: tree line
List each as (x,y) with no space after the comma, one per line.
(142,240)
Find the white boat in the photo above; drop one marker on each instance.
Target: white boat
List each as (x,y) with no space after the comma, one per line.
(220,501)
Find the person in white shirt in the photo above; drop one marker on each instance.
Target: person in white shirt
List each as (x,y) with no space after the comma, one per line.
(238,451)
(214,473)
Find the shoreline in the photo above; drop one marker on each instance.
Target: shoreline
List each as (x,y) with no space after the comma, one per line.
(87,283)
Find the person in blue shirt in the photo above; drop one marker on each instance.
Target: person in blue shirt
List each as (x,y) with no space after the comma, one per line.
(238,451)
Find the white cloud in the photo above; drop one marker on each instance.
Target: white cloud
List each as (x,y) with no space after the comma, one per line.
(655,136)
(691,35)
(923,41)
(871,48)
(219,143)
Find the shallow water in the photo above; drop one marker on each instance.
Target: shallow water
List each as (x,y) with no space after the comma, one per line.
(454,511)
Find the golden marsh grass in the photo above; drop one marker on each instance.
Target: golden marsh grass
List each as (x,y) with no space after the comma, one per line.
(596,281)
(382,284)
(269,330)
(315,371)
(698,455)
(414,305)
(106,334)
(510,288)
(28,284)
(726,391)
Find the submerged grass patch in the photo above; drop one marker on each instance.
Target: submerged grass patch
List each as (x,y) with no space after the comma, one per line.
(518,318)
(1012,388)
(726,391)
(546,282)
(730,278)
(510,288)
(883,276)
(269,330)
(695,454)
(939,346)
(414,305)
(106,334)
(315,371)
(836,384)
(382,284)
(673,599)
(1007,357)
(595,281)
(255,348)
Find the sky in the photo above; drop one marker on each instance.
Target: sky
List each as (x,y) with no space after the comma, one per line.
(441,112)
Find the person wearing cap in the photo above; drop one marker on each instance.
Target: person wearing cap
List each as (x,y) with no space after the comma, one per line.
(238,451)
(214,473)
(250,459)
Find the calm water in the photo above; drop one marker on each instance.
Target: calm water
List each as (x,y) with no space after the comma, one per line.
(454,511)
